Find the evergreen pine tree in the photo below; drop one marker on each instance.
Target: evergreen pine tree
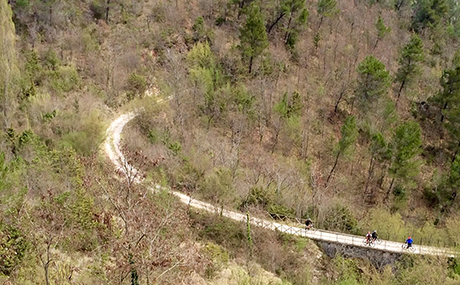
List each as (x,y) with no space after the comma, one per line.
(406,145)
(408,70)
(428,14)
(253,37)
(373,82)
(349,133)
(382,30)
(326,8)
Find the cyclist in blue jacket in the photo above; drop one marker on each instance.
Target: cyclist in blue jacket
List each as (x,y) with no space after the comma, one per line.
(409,242)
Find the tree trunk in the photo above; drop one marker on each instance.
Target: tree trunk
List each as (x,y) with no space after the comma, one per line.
(376,42)
(333,168)
(443,108)
(399,91)
(370,172)
(305,140)
(287,30)
(46,264)
(389,189)
(456,152)
(4,106)
(338,101)
(275,22)
(240,8)
(320,22)
(51,15)
(276,137)
(47,282)
(107,11)
(250,63)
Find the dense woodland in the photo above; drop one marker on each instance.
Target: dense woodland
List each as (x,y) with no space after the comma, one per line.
(347,112)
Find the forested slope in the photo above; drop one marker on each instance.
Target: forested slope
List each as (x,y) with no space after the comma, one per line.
(343,111)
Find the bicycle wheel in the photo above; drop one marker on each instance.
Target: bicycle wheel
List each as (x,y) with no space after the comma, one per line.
(412,249)
(378,241)
(368,243)
(310,230)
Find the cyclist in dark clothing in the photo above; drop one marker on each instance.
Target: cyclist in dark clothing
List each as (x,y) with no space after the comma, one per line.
(308,224)
(374,235)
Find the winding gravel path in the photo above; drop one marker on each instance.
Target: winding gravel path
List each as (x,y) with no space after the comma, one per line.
(112,149)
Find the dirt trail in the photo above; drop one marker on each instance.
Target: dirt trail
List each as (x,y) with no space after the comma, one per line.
(112,149)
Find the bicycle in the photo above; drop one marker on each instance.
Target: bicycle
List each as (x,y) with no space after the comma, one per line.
(405,246)
(368,242)
(310,229)
(377,241)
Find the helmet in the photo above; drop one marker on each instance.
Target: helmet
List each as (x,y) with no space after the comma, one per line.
(408,238)
(308,219)
(374,231)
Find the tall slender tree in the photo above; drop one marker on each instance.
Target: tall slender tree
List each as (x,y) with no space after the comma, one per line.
(287,9)
(207,78)
(294,26)
(253,37)
(349,133)
(452,124)
(326,8)
(411,56)
(382,30)
(380,153)
(406,145)
(450,91)
(447,191)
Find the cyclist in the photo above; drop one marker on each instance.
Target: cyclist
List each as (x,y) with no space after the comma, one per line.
(368,238)
(374,235)
(409,242)
(308,224)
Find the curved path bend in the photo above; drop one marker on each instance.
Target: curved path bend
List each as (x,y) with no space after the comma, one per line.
(112,149)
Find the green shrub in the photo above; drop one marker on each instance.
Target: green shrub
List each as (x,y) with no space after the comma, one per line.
(219,257)
(280,211)
(136,85)
(64,79)
(216,252)
(51,60)
(222,231)
(175,147)
(89,39)
(198,29)
(340,218)
(49,116)
(153,136)
(430,270)
(454,266)
(97,8)
(259,196)
(13,246)
(88,136)
(348,270)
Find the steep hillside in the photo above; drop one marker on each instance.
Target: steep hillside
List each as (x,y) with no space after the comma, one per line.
(342,111)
